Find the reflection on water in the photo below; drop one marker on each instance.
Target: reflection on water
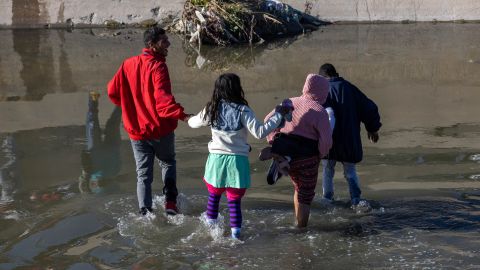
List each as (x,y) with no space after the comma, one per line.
(217,58)
(101,159)
(67,176)
(37,63)
(7,170)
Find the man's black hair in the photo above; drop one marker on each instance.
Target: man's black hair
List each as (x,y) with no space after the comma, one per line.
(328,70)
(152,35)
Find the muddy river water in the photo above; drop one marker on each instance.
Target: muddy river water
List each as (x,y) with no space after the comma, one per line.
(422,178)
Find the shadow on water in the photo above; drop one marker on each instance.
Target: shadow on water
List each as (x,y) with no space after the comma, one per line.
(100,159)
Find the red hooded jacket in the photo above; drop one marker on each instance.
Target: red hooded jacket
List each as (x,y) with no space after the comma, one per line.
(142,88)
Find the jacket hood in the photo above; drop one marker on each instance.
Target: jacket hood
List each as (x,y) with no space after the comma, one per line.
(149,52)
(316,87)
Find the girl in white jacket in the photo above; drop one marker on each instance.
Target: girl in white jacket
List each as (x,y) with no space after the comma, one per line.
(227,168)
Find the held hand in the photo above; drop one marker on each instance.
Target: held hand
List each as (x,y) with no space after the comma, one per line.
(185,119)
(283,110)
(373,136)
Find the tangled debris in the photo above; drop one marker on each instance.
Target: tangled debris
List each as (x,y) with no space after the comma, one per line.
(226,22)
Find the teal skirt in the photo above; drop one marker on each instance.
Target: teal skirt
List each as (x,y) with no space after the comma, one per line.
(222,171)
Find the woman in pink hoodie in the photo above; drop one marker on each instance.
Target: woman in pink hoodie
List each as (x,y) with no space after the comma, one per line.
(305,139)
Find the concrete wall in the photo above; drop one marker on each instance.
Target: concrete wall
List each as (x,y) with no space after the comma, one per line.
(393,10)
(30,13)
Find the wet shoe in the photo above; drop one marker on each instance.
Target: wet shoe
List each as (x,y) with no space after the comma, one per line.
(171,208)
(144,210)
(273,173)
(284,165)
(212,222)
(236,233)
(362,207)
(265,154)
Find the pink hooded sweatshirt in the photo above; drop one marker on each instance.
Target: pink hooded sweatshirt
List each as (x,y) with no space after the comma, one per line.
(309,118)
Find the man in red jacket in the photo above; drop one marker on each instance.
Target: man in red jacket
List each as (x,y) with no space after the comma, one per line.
(142,88)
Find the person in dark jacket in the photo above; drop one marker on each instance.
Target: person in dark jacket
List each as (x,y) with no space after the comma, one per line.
(351,107)
(150,114)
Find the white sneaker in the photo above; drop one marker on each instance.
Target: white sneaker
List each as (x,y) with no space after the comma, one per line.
(236,233)
(362,207)
(212,222)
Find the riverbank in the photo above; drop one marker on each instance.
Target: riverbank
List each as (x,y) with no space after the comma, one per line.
(89,13)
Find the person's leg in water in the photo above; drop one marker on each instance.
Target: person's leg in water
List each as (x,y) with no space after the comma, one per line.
(350,174)
(234,196)
(327,183)
(165,153)
(302,211)
(304,174)
(214,196)
(144,155)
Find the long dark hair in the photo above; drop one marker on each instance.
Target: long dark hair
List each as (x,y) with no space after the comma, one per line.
(227,88)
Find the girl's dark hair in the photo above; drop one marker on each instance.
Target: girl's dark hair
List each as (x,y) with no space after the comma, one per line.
(227,88)
(328,70)
(152,35)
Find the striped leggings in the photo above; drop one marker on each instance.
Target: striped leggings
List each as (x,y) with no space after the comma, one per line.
(234,196)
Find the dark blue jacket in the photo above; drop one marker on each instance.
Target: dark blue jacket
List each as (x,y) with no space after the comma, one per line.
(351,107)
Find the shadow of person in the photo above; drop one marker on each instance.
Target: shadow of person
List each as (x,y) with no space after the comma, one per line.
(100,159)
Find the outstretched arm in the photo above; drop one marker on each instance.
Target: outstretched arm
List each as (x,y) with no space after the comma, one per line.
(258,129)
(198,120)
(272,134)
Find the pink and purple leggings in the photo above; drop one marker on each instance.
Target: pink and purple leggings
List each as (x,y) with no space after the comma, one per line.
(234,197)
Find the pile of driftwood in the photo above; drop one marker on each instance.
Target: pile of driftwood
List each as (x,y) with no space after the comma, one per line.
(225,22)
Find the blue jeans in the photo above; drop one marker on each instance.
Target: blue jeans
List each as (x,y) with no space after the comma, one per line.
(145,151)
(350,174)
